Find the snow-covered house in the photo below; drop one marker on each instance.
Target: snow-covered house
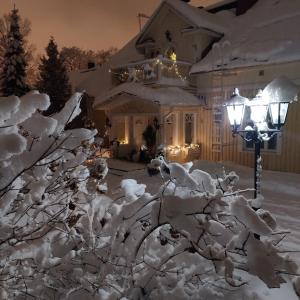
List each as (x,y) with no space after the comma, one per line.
(148,80)
(178,71)
(260,45)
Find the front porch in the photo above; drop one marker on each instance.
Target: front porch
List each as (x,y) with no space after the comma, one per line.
(166,116)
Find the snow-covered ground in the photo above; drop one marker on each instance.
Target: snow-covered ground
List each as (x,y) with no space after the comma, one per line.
(282,198)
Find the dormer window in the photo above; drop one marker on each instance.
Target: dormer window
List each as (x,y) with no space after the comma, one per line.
(168,36)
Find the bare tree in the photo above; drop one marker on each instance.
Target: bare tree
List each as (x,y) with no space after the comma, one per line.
(76,58)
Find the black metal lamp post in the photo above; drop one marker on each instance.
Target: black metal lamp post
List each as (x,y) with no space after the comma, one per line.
(273,101)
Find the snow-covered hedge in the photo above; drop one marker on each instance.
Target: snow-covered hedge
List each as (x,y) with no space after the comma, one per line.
(62,238)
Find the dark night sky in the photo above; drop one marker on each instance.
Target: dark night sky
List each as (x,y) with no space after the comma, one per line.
(90,24)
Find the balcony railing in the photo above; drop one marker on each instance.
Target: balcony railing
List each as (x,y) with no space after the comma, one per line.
(158,70)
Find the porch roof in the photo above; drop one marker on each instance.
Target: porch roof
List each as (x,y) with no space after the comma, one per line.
(170,96)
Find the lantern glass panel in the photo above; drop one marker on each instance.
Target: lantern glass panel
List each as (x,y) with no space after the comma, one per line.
(259,113)
(235,114)
(278,109)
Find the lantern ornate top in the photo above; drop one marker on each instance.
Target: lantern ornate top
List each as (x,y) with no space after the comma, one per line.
(259,99)
(236,99)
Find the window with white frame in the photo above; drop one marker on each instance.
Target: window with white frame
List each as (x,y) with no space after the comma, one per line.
(216,128)
(189,128)
(273,145)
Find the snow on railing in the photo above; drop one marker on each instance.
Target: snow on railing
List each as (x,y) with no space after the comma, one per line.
(156,70)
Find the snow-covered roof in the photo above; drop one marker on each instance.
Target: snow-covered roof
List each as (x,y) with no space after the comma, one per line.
(219,4)
(199,18)
(267,33)
(172,96)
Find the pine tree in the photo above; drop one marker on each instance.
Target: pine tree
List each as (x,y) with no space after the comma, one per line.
(53,78)
(14,70)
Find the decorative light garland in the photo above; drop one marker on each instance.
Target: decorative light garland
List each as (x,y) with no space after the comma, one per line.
(177,149)
(123,76)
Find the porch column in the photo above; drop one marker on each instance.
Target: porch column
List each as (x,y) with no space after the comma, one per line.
(177,116)
(160,135)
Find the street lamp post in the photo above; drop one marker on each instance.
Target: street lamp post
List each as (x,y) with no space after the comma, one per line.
(271,104)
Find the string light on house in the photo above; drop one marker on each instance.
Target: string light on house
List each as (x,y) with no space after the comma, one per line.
(175,150)
(173,56)
(140,71)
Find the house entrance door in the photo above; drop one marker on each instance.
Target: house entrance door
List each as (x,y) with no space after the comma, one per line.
(139,126)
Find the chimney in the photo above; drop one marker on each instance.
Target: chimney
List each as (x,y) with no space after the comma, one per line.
(243,6)
(91,65)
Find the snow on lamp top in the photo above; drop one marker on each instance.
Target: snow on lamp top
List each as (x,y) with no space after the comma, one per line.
(279,93)
(281,89)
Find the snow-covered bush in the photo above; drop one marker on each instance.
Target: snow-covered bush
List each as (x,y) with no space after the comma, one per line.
(62,238)
(195,238)
(42,178)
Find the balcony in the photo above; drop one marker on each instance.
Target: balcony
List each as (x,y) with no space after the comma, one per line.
(159,70)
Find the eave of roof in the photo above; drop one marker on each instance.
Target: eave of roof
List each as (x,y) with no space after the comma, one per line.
(170,96)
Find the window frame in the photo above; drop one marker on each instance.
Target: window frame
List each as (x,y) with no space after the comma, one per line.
(194,127)
(264,149)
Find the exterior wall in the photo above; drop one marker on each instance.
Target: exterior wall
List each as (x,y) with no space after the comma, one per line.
(97,116)
(217,87)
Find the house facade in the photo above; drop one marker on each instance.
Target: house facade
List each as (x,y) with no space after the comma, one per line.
(176,74)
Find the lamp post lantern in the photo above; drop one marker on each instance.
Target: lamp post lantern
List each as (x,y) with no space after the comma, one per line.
(235,108)
(270,104)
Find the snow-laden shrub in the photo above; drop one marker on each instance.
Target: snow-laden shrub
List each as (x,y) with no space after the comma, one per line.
(195,239)
(62,238)
(42,181)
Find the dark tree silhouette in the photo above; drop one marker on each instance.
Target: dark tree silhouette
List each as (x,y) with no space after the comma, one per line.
(53,79)
(13,77)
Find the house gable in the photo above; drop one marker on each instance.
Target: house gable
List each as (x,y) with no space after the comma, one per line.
(170,30)
(129,105)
